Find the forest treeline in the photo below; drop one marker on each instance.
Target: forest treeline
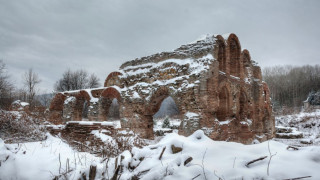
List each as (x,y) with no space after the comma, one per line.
(291,85)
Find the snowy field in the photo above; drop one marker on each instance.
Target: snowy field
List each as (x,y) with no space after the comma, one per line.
(210,160)
(307,123)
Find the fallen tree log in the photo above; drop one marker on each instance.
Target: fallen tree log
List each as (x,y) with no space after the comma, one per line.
(255,160)
(299,178)
(162,153)
(292,147)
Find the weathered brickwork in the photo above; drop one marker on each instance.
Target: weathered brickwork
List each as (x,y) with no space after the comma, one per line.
(216,86)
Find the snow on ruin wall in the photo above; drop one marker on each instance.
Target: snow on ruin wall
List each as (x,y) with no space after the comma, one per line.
(215,85)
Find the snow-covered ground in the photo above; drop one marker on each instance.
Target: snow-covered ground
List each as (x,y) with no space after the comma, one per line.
(307,123)
(41,160)
(173,123)
(210,160)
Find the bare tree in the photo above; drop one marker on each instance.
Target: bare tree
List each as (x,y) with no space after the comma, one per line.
(31,81)
(93,81)
(6,88)
(72,80)
(80,79)
(65,83)
(45,100)
(21,94)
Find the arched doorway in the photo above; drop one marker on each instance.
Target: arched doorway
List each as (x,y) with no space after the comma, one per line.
(109,100)
(114,113)
(166,116)
(223,109)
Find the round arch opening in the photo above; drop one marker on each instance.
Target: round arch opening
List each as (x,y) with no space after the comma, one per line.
(165,113)
(109,105)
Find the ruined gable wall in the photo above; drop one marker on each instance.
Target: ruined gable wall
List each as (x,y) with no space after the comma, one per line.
(215,85)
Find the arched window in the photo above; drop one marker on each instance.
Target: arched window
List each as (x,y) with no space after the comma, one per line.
(234,55)
(243,102)
(222,54)
(223,110)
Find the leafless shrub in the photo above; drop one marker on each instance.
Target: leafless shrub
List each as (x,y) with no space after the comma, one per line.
(107,149)
(20,127)
(120,144)
(31,81)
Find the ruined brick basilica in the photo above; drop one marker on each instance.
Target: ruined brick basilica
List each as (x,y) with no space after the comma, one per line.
(215,84)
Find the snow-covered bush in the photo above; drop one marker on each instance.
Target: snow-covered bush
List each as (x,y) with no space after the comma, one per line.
(117,145)
(166,123)
(19,127)
(314,98)
(202,158)
(104,145)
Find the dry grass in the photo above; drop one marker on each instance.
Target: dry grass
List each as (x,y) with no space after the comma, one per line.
(19,127)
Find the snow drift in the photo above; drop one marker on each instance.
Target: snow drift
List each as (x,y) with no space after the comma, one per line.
(196,156)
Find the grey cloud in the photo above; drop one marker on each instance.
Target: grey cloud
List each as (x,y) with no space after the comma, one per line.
(100,35)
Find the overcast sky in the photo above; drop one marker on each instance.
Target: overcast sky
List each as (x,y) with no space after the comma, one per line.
(99,35)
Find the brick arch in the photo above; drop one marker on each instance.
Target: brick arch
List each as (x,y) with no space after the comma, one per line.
(153,107)
(112,76)
(96,92)
(222,59)
(156,100)
(106,99)
(84,94)
(111,92)
(234,51)
(81,105)
(224,108)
